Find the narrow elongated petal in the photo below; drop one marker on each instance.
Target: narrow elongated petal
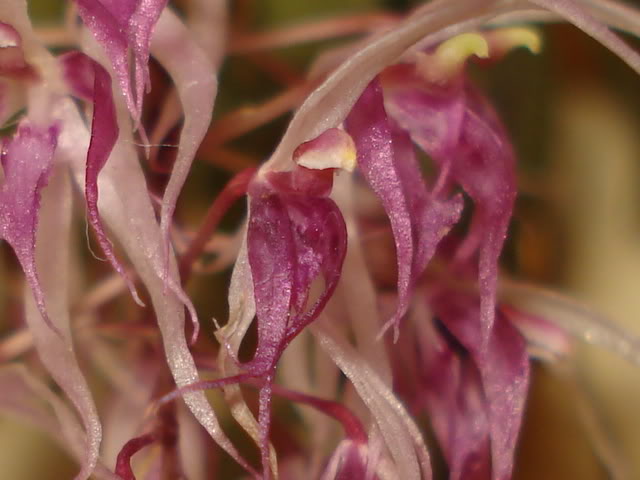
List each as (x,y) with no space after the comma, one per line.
(402,437)
(368,125)
(455,401)
(272,255)
(128,212)
(56,350)
(109,27)
(387,161)
(195,80)
(26,162)
(86,76)
(504,369)
(461,132)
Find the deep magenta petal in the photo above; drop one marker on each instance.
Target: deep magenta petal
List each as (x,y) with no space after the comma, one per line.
(320,237)
(292,240)
(26,162)
(272,258)
(90,80)
(419,219)
(461,132)
(368,125)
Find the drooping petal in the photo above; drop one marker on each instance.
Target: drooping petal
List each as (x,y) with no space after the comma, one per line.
(387,161)
(291,240)
(457,127)
(367,124)
(90,79)
(451,391)
(128,211)
(503,364)
(56,349)
(272,257)
(121,26)
(26,161)
(109,27)
(195,80)
(401,435)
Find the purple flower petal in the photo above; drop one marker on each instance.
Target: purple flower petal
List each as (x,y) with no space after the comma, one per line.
(457,408)
(292,240)
(90,80)
(120,25)
(504,369)
(368,125)
(458,128)
(272,257)
(387,161)
(26,161)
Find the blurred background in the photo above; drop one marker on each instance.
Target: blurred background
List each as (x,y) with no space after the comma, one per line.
(574,115)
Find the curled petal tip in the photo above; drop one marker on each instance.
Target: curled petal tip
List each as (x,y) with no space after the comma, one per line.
(449,58)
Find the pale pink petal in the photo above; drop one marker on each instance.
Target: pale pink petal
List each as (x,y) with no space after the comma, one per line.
(191,71)
(56,349)
(127,210)
(575,13)
(401,435)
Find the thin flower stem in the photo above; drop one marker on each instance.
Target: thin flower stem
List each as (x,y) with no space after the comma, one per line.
(133,446)
(235,189)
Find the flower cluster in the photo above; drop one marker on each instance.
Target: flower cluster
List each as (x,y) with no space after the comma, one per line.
(394,140)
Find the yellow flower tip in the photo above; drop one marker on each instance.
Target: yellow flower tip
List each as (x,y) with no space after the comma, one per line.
(503,40)
(450,57)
